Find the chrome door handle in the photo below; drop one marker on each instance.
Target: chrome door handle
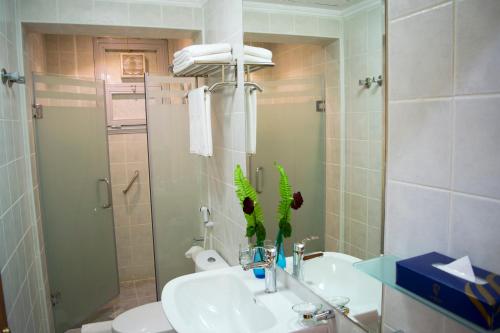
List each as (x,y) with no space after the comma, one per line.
(259,179)
(108,189)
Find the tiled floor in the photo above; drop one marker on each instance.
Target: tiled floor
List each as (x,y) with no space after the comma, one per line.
(132,294)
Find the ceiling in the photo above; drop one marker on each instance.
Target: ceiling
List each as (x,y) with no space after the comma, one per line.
(324,4)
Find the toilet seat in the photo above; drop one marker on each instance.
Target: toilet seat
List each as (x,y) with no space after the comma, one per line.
(147,318)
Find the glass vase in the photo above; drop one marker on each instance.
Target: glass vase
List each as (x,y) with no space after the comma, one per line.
(281,260)
(258,256)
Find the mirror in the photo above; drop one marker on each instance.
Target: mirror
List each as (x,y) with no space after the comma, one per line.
(321,115)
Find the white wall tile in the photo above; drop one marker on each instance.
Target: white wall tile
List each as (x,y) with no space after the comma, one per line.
(421,66)
(422,47)
(476,156)
(21,256)
(145,14)
(111,13)
(223,22)
(329,27)
(37,10)
(256,21)
(398,8)
(408,315)
(306,25)
(477,61)
(76,11)
(420,142)
(475,226)
(279,23)
(174,16)
(416,220)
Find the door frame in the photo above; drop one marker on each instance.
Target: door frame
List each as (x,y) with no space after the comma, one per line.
(4,325)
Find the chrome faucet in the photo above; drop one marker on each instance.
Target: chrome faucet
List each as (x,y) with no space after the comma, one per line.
(268,263)
(299,258)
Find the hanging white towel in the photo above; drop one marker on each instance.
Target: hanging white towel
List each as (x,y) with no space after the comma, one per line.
(204,49)
(219,58)
(251,119)
(250,59)
(200,122)
(258,52)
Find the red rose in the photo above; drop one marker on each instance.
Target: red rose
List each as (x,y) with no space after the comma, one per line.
(248,206)
(297,200)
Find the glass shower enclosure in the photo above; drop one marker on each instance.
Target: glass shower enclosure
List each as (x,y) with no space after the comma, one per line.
(291,132)
(75,192)
(175,176)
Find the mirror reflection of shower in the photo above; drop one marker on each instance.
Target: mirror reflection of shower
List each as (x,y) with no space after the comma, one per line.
(91,93)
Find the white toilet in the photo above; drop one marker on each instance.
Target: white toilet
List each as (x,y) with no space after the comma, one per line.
(150,318)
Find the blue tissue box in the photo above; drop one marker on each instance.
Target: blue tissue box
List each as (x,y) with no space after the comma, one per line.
(478,303)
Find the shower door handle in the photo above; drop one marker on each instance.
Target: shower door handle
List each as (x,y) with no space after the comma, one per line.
(259,179)
(108,190)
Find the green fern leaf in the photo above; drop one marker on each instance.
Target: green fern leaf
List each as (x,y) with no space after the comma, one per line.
(284,212)
(255,221)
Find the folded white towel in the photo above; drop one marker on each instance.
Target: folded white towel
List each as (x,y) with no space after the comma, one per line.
(204,49)
(258,52)
(200,122)
(219,58)
(251,119)
(249,59)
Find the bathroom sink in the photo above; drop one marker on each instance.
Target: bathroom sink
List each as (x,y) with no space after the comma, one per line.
(228,300)
(333,275)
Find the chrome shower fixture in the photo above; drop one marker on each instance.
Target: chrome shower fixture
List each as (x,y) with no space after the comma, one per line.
(11,78)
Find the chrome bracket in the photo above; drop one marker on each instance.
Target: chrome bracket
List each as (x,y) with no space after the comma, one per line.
(37,111)
(55,298)
(320,106)
(10,78)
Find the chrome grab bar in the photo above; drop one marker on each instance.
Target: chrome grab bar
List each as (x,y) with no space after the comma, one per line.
(131,182)
(108,189)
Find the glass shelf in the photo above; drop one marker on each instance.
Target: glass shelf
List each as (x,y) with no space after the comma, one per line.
(383,268)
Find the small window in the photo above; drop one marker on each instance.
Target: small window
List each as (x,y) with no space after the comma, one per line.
(125,104)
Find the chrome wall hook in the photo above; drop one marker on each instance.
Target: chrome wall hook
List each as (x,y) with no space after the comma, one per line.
(11,78)
(366,83)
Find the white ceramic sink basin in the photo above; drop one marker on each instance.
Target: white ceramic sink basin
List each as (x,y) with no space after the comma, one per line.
(228,301)
(333,275)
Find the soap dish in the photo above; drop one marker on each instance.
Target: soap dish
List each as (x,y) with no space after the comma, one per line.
(307,310)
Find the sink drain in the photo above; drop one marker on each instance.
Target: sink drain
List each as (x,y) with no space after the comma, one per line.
(211,259)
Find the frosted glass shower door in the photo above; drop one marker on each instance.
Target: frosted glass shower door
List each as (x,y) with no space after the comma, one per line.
(71,145)
(291,132)
(175,176)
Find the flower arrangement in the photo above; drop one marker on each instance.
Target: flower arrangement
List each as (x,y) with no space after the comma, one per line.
(288,201)
(251,207)
(253,211)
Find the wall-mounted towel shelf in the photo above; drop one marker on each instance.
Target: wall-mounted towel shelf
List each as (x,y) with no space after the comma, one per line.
(253,67)
(254,85)
(203,69)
